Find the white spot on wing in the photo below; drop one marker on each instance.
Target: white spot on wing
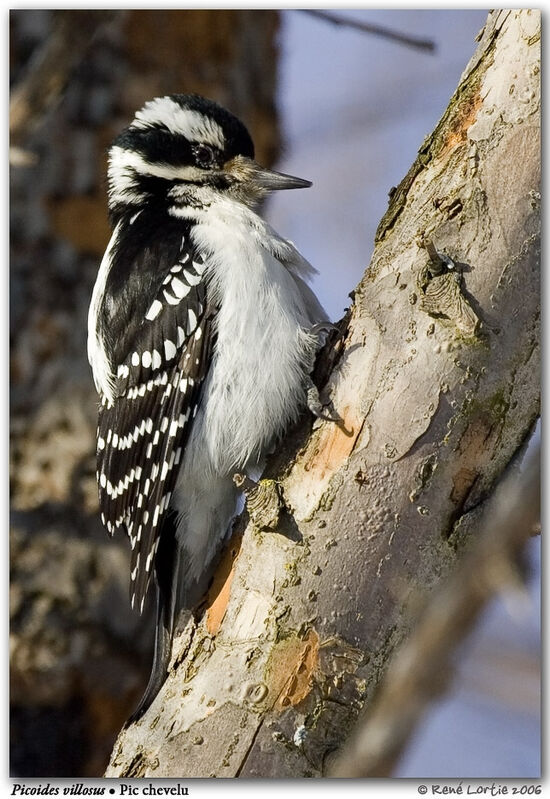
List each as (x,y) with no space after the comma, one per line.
(169,299)
(179,288)
(156,516)
(193,280)
(169,349)
(154,310)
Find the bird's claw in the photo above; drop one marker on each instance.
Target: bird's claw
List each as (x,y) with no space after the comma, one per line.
(316,406)
(323,327)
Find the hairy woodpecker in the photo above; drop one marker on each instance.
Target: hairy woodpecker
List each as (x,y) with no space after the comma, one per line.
(201,337)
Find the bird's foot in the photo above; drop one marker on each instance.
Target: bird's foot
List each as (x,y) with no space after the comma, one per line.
(323,327)
(316,406)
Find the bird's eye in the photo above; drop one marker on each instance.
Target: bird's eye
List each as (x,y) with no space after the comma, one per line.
(204,155)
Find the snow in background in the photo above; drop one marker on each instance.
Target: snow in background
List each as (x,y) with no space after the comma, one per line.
(355,109)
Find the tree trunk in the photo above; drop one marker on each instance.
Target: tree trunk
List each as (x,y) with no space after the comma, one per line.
(438,386)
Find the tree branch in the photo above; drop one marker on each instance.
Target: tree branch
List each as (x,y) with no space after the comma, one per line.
(422,667)
(376,30)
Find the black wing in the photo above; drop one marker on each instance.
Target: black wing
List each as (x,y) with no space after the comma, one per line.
(160,352)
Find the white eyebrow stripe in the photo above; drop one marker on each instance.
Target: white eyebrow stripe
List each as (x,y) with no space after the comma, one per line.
(191,124)
(121,159)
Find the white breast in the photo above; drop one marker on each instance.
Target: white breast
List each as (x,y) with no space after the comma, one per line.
(263,349)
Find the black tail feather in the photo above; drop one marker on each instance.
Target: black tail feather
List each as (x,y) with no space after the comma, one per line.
(167,569)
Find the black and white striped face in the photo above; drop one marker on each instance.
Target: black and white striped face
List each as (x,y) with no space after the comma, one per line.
(184,149)
(176,140)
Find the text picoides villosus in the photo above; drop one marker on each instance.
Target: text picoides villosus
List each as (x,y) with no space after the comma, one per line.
(201,337)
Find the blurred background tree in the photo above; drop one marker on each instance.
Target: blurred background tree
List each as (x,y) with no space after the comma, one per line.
(79,656)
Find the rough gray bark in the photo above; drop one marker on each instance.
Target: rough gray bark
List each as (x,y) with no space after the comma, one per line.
(423,666)
(78,655)
(438,385)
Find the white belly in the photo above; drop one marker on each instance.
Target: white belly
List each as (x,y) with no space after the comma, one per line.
(263,351)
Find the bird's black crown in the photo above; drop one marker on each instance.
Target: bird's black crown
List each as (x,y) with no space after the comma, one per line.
(159,131)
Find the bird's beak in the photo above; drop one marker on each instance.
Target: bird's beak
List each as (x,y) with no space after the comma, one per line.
(273,181)
(257,178)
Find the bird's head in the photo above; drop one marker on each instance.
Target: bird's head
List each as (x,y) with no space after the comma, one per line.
(188,147)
